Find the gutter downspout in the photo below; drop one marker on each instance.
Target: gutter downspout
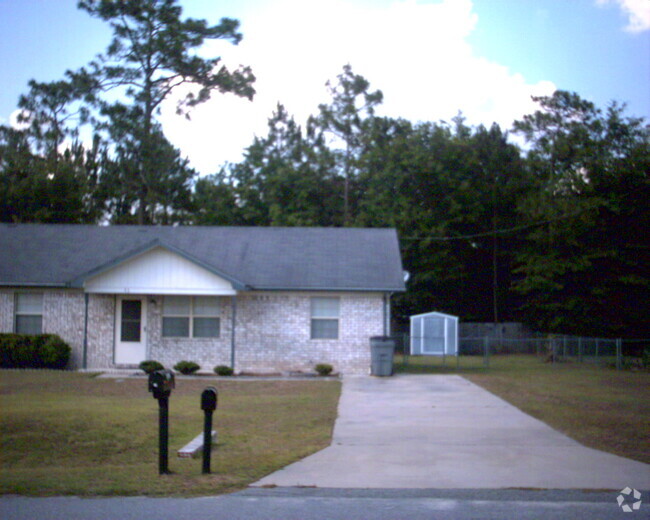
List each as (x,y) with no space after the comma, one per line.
(233,305)
(85,352)
(387,313)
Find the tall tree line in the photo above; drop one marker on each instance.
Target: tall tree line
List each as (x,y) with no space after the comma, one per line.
(554,234)
(131,173)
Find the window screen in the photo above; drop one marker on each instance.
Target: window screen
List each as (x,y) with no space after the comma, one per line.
(176,316)
(29,313)
(324,318)
(196,317)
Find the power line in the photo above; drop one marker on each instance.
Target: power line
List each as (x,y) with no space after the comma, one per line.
(503,231)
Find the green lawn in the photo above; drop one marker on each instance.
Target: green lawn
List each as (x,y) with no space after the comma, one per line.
(599,407)
(70,433)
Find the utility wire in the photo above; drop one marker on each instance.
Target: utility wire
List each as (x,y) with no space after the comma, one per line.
(497,231)
(505,231)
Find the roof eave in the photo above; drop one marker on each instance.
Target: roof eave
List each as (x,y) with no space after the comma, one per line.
(36,285)
(331,289)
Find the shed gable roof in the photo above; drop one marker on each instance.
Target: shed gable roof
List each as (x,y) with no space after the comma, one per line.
(260,258)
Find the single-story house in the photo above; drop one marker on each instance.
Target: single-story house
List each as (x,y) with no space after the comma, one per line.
(259,299)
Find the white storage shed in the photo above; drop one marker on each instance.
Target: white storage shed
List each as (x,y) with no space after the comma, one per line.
(434,334)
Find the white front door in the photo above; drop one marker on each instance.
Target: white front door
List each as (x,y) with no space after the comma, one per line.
(130,337)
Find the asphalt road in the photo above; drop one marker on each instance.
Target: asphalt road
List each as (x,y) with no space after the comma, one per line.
(334,504)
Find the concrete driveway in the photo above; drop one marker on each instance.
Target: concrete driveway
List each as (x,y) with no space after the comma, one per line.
(441,431)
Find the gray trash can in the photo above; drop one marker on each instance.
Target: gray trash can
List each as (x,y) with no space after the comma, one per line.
(382,349)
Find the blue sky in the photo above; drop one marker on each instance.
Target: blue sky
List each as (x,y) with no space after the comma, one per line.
(430,58)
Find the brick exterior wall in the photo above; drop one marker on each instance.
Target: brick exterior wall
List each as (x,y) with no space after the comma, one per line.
(63,314)
(272,331)
(207,352)
(6,311)
(101,331)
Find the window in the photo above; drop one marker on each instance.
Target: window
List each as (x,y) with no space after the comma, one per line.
(324,318)
(131,321)
(191,317)
(29,313)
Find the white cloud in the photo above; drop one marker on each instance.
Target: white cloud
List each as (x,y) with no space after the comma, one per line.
(637,11)
(416,53)
(13,120)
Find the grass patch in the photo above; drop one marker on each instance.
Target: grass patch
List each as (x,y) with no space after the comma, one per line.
(69,433)
(601,408)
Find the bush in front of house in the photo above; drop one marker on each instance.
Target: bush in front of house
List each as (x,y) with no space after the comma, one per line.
(54,352)
(223,370)
(324,369)
(151,365)
(33,351)
(186,367)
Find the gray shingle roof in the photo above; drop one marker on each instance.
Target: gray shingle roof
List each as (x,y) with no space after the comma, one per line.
(262,258)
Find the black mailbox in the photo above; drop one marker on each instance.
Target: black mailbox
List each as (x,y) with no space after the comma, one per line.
(161,383)
(209,399)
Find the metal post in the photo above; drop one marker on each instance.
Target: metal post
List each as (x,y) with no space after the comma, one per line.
(486,355)
(233,304)
(209,399)
(85,353)
(597,349)
(553,348)
(580,350)
(163,435)
(619,353)
(207,441)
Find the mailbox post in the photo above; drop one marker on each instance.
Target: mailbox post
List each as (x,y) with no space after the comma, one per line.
(209,399)
(161,384)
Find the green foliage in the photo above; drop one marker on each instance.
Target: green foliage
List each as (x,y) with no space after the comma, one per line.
(583,270)
(489,233)
(165,195)
(153,52)
(549,236)
(150,366)
(223,370)
(54,352)
(186,367)
(132,172)
(324,369)
(285,179)
(33,351)
(645,358)
(344,118)
(57,187)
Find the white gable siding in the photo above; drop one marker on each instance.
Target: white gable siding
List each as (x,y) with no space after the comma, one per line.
(158,271)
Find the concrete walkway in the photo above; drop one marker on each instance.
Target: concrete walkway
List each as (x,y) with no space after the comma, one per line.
(441,431)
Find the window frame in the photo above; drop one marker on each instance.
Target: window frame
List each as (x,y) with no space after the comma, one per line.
(17,295)
(191,316)
(329,318)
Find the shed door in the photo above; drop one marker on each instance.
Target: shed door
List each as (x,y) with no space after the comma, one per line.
(434,335)
(130,337)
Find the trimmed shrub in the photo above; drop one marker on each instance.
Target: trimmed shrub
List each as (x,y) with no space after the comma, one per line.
(324,369)
(33,351)
(150,366)
(55,352)
(186,367)
(223,370)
